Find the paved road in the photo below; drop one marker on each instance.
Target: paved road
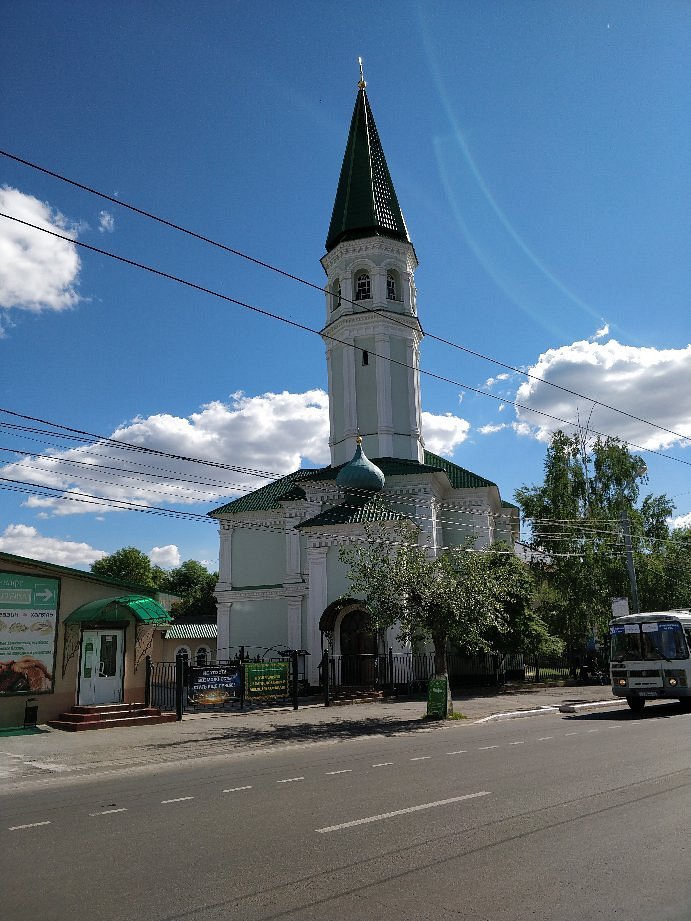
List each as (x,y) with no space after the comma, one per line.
(553,817)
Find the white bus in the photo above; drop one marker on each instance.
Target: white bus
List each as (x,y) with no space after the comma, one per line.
(649,657)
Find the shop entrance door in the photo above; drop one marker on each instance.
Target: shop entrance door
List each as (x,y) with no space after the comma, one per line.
(101,667)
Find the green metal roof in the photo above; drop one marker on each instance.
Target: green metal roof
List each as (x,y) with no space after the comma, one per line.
(144,609)
(269,496)
(366,204)
(353,512)
(192,632)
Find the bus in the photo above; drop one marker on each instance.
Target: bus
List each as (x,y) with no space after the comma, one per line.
(649,657)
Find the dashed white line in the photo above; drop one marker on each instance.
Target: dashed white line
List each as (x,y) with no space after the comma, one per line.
(345,771)
(28,825)
(461,751)
(237,789)
(572,733)
(592,730)
(390,815)
(108,812)
(290,779)
(517,743)
(383,764)
(422,758)
(545,738)
(486,748)
(179,799)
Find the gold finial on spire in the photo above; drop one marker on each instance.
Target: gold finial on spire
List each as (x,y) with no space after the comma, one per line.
(358,440)
(362,83)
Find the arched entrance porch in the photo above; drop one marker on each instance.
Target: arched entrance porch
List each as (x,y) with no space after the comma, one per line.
(354,645)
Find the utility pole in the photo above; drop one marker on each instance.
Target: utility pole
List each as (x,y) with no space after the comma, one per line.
(629,561)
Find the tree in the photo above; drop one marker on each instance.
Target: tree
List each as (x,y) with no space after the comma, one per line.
(575,517)
(459,595)
(195,585)
(129,565)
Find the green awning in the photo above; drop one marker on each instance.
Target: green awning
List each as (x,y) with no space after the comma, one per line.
(143,608)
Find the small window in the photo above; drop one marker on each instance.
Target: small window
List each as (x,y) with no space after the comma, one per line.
(363,287)
(336,296)
(203,656)
(365,357)
(391,286)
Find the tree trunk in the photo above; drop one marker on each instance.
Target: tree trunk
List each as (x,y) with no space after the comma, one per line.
(440,667)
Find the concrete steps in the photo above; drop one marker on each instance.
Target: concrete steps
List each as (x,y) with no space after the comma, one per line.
(109,716)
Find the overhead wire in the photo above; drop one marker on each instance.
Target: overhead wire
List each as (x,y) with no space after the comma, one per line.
(303,281)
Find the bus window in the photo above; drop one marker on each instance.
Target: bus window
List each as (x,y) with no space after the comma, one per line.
(663,641)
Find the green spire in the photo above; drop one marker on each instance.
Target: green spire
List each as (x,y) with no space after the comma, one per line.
(366,204)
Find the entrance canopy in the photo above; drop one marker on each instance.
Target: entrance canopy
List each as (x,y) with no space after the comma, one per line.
(144,609)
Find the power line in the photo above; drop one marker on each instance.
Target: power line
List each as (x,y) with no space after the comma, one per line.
(303,281)
(301,326)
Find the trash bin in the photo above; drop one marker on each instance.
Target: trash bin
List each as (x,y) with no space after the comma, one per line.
(30,712)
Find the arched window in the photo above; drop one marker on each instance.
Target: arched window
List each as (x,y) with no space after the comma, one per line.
(203,655)
(336,295)
(183,651)
(391,287)
(363,289)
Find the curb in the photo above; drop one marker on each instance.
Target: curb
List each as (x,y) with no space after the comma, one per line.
(574,708)
(563,708)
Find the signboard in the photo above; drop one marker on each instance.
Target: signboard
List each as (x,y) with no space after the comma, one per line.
(28,627)
(209,685)
(620,607)
(436,698)
(266,679)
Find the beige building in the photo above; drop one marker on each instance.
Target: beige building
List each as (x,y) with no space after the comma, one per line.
(69,637)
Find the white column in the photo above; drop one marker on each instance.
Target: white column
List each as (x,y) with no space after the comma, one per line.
(292,549)
(382,347)
(225,575)
(317,600)
(223,623)
(295,622)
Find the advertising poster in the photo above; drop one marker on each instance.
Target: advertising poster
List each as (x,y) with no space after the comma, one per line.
(266,680)
(28,625)
(209,685)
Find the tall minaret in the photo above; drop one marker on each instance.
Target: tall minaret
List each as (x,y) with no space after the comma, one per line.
(372,333)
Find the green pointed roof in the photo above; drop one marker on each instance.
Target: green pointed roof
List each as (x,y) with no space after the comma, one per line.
(360,474)
(366,204)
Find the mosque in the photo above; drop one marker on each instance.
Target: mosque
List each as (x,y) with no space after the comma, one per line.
(281,582)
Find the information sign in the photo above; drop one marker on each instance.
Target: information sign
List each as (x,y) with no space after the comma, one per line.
(266,679)
(209,685)
(437,698)
(28,625)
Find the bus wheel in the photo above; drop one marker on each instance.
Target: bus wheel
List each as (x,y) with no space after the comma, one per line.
(636,703)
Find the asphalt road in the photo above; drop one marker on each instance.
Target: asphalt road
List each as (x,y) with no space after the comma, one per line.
(551,817)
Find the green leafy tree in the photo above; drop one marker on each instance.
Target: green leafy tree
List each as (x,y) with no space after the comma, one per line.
(195,585)
(129,565)
(460,595)
(575,517)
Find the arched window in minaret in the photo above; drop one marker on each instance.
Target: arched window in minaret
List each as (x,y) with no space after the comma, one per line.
(392,287)
(363,287)
(336,294)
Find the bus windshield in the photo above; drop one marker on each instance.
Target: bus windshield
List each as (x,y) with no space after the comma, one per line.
(645,641)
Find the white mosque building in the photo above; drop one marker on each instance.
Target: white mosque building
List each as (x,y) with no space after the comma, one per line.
(281,582)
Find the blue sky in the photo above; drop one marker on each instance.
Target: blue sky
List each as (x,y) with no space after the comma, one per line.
(540,156)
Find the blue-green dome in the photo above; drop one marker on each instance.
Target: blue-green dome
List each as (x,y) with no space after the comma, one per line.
(360,474)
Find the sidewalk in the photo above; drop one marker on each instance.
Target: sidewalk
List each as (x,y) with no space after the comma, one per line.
(46,752)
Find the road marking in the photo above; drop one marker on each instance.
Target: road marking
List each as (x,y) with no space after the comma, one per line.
(180,799)
(345,771)
(592,730)
(486,748)
(383,764)
(237,789)
(545,738)
(572,733)
(29,825)
(517,743)
(45,766)
(422,758)
(107,812)
(461,751)
(290,779)
(390,815)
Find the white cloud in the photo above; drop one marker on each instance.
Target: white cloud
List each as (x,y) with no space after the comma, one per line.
(650,383)
(681,521)
(491,381)
(273,433)
(106,222)
(167,557)
(491,429)
(600,333)
(443,433)
(37,272)
(23,540)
